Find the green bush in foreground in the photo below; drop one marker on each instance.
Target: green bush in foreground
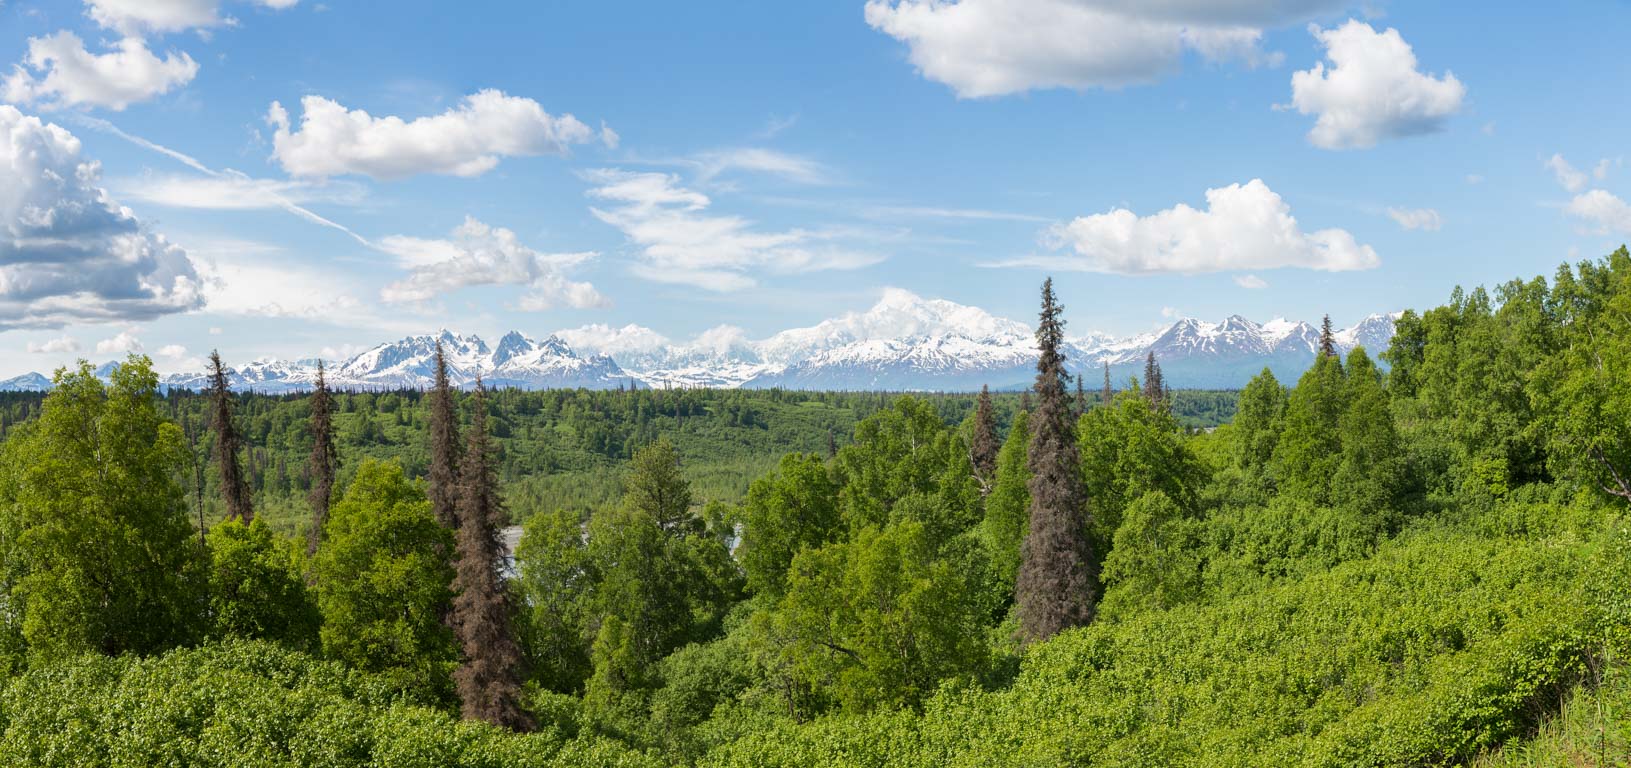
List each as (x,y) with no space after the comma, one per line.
(1434,651)
(253,705)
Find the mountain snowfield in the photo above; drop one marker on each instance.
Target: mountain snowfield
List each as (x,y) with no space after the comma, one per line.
(904,342)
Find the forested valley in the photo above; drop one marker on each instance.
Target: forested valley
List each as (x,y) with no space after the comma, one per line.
(554,448)
(1411,556)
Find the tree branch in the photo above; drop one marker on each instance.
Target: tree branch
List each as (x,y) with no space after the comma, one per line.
(843,650)
(1624,489)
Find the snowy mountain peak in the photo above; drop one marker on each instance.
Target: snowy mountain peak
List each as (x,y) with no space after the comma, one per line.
(1374,333)
(898,315)
(513,345)
(28,382)
(556,346)
(902,342)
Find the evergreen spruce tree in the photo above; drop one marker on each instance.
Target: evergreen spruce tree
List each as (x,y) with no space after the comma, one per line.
(444,448)
(1155,385)
(323,459)
(1109,393)
(1025,401)
(655,486)
(1328,339)
(1081,398)
(983,448)
(489,675)
(234,486)
(1055,587)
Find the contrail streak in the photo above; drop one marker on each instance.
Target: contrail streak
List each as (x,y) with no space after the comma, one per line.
(96,123)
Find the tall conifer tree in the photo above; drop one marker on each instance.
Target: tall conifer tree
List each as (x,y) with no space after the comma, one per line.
(321,464)
(1081,398)
(1155,385)
(234,486)
(983,448)
(489,675)
(1328,339)
(655,486)
(1109,393)
(1055,587)
(444,448)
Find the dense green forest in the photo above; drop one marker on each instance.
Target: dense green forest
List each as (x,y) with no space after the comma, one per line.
(1429,565)
(559,448)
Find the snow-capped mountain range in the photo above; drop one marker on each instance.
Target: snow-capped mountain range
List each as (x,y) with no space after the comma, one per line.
(904,342)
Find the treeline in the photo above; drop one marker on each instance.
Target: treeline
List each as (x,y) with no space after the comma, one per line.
(1405,568)
(555,448)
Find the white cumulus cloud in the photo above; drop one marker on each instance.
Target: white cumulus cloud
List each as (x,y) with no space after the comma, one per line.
(642,348)
(57,346)
(467,140)
(603,339)
(138,16)
(1372,90)
(1258,12)
(994,47)
(1416,218)
(1602,211)
(1244,226)
(478,254)
(680,242)
(134,17)
(123,344)
(68,252)
(59,72)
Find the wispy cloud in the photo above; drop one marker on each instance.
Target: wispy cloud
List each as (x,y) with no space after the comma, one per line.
(1416,218)
(231,191)
(1569,177)
(976,214)
(681,242)
(266,190)
(771,162)
(776,124)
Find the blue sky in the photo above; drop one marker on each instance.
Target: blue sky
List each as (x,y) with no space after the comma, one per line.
(540,166)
